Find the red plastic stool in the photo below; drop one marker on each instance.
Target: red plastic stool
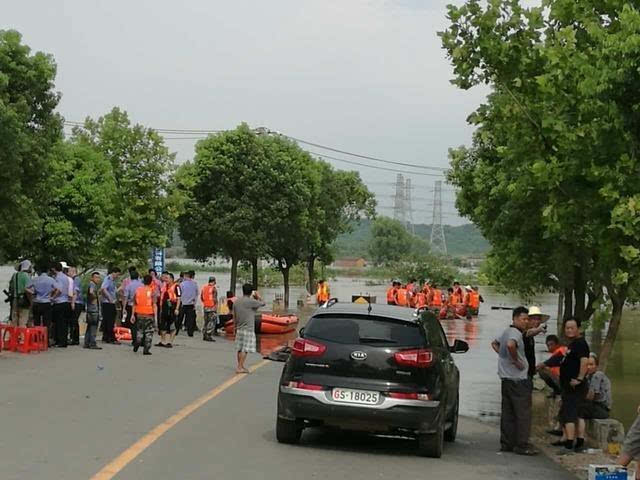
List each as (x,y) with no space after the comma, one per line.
(29,340)
(11,343)
(122,333)
(42,338)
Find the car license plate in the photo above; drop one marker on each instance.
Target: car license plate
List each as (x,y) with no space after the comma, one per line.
(359,397)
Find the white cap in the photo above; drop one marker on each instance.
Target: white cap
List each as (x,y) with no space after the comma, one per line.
(64,264)
(25,265)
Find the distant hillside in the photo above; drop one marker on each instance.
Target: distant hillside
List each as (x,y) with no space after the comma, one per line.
(462,240)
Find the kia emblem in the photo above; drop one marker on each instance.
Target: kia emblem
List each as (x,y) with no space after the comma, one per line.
(358,355)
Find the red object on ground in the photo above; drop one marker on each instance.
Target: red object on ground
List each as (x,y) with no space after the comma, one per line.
(270,324)
(122,333)
(30,339)
(11,342)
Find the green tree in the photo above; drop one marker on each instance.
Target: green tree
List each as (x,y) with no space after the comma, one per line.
(339,201)
(426,267)
(390,242)
(551,178)
(223,196)
(78,208)
(287,220)
(29,128)
(142,214)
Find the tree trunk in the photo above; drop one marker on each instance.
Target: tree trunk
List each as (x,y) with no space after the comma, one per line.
(560,311)
(579,289)
(254,273)
(311,261)
(593,295)
(285,278)
(568,304)
(234,274)
(612,331)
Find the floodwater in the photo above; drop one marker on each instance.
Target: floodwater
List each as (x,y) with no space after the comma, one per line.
(480,386)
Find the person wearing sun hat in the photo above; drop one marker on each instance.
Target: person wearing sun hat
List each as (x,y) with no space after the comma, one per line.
(537,325)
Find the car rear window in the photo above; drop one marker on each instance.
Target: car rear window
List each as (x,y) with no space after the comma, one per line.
(365,331)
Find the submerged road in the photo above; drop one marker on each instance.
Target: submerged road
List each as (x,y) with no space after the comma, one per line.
(182,413)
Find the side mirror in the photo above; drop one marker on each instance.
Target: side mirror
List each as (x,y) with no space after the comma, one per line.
(301,332)
(459,346)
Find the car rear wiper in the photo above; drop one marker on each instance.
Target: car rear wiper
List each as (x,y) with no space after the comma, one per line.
(376,340)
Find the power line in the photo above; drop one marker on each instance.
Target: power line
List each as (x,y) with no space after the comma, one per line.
(367,157)
(351,162)
(178,131)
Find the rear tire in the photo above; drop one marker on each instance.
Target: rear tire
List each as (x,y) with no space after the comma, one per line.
(431,444)
(451,432)
(287,432)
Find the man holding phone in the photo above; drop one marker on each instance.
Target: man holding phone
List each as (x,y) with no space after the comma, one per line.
(244,319)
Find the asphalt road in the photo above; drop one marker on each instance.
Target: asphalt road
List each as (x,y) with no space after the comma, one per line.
(67,414)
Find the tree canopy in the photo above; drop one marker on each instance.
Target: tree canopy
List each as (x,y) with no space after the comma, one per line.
(250,196)
(29,129)
(551,177)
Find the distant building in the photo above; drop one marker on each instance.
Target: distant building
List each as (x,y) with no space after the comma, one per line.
(350,263)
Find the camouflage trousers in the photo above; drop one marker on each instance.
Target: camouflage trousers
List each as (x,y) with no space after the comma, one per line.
(144,331)
(210,319)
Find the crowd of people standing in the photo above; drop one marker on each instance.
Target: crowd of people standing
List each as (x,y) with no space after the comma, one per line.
(571,371)
(57,296)
(455,302)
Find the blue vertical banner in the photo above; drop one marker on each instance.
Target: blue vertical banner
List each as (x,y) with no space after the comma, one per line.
(157,260)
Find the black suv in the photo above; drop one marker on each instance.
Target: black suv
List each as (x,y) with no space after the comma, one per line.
(373,368)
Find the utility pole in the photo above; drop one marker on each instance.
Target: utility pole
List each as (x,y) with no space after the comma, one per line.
(409,206)
(438,242)
(399,210)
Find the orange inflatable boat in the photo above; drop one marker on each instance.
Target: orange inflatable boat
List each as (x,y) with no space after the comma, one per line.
(270,324)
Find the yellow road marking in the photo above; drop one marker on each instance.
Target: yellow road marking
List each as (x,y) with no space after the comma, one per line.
(115,466)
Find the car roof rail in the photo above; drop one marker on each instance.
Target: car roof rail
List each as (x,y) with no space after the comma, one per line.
(329,303)
(418,311)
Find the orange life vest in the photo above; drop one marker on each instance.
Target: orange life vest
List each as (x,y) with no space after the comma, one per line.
(322,295)
(143,304)
(474,299)
(402,298)
(436,300)
(208,296)
(391,295)
(454,299)
(421,300)
(172,293)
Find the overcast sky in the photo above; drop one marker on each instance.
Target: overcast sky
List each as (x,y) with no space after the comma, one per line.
(366,76)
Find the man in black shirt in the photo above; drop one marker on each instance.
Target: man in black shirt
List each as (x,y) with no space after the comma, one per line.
(537,324)
(573,369)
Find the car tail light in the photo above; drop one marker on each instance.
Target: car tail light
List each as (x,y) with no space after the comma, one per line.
(305,386)
(307,348)
(421,358)
(409,395)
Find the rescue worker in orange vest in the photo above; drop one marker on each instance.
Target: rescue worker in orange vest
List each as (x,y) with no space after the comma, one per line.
(145,310)
(209,296)
(402,297)
(421,300)
(457,289)
(473,302)
(322,294)
(411,292)
(392,293)
(226,307)
(450,304)
(426,289)
(435,297)
(169,306)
